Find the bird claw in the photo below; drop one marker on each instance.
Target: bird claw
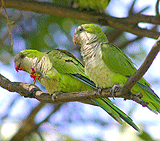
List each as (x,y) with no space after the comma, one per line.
(99,91)
(139,95)
(54,95)
(115,88)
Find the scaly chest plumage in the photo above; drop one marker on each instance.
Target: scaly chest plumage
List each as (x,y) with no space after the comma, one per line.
(95,67)
(97,70)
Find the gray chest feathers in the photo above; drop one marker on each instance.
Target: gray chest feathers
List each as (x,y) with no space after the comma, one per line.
(98,71)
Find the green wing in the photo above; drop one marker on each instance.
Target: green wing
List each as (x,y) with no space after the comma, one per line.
(65,62)
(118,62)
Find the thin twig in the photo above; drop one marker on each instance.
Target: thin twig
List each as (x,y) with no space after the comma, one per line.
(142,70)
(8,24)
(157,8)
(123,45)
(15,18)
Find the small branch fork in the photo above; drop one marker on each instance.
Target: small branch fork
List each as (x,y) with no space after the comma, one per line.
(30,90)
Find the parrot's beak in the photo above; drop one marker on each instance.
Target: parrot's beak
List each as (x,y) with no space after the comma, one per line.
(76,39)
(17,66)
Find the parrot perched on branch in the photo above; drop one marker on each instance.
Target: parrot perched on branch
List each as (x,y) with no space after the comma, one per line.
(99,5)
(60,71)
(108,66)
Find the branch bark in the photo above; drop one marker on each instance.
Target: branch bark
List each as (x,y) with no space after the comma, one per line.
(129,24)
(157,8)
(29,125)
(32,91)
(142,70)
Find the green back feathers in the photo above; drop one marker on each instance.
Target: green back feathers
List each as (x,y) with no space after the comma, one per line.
(64,62)
(116,60)
(32,53)
(98,5)
(91,28)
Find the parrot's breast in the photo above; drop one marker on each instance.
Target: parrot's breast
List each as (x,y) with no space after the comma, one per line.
(97,71)
(52,85)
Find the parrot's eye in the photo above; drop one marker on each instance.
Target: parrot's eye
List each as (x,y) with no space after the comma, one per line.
(22,56)
(81,29)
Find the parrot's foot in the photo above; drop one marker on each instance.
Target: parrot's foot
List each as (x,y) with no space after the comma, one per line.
(35,75)
(54,95)
(115,88)
(99,91)
(138,95)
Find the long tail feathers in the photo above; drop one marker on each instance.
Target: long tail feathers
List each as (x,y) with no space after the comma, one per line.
(115,112)
(151,98)
(107,105)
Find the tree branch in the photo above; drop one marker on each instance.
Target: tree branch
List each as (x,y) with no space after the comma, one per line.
(29,125)
(142,70)
(30,90)
(157,8)
(24,89)
(9,23)
(129,24)
(137,18)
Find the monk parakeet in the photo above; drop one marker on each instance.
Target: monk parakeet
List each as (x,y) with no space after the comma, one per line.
(99,5)
(107,65)
(60,71)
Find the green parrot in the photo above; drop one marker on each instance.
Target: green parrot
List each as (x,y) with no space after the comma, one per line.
(99,5)
(108,66)
(60,71)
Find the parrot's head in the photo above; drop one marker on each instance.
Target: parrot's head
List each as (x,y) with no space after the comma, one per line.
(26,60)
(87,34)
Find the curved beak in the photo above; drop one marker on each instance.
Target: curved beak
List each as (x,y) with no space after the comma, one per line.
(17,66)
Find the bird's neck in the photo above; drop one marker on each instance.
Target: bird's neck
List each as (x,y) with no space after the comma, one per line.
(43,65)
(29,63)
(89,51)
(91,45)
